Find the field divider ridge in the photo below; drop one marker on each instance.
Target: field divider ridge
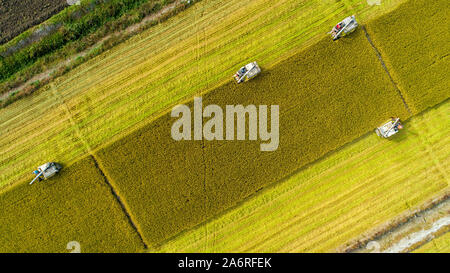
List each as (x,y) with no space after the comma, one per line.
(97,165)
(377,52)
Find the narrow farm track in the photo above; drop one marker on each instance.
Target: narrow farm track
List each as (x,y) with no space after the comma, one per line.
(411,231)
(441,244)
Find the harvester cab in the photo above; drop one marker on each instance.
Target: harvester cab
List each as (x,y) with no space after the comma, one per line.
(247,72)
(390,128)
(346,26)
(46,171)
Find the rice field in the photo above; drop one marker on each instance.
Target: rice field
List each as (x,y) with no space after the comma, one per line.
(325,205)
(75,205)
(114,107)
(171,185)
(126,87)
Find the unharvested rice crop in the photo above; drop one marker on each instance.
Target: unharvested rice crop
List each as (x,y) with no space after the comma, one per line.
(328,95)
(76,205)
(414,40)
(356,189)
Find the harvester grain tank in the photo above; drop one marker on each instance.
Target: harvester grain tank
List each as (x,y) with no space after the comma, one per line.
(247,72)
(46,171)
(346,26)
(389,128)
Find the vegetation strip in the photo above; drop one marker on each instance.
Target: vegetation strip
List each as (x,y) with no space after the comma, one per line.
(30,78)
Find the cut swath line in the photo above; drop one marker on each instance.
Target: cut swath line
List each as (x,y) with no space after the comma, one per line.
(122,205)
(89,150)
(386,69)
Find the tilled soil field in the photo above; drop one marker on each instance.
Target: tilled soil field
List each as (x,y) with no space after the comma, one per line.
(17,16)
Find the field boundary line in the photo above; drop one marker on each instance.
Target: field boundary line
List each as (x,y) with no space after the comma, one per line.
(122,205)
(97,165)
(383,64)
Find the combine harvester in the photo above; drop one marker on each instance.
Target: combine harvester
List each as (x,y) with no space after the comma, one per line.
(247,72)
(346,26)
(47,170)
(390,128)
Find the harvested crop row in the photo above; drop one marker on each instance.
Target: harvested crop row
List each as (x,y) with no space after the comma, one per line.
(414,41)
(76,205)
(329,94)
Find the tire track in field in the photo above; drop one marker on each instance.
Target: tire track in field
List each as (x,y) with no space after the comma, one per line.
(377,52)
(428,146)
(198,14)
(92,155)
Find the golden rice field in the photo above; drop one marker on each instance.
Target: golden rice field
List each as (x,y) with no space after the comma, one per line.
(169,186)
(76,205)
(329,94)
(440,244)
(126,86)
(173,185)
(416,49)
(325,205)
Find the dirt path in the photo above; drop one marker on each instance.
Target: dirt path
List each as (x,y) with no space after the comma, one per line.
(420,229)
(419,237)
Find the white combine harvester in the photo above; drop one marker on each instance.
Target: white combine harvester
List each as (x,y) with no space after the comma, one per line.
(47,170)
(247,72)
(346,26)
(390,128)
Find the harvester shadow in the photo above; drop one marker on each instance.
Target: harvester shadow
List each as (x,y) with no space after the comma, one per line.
(401,136)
